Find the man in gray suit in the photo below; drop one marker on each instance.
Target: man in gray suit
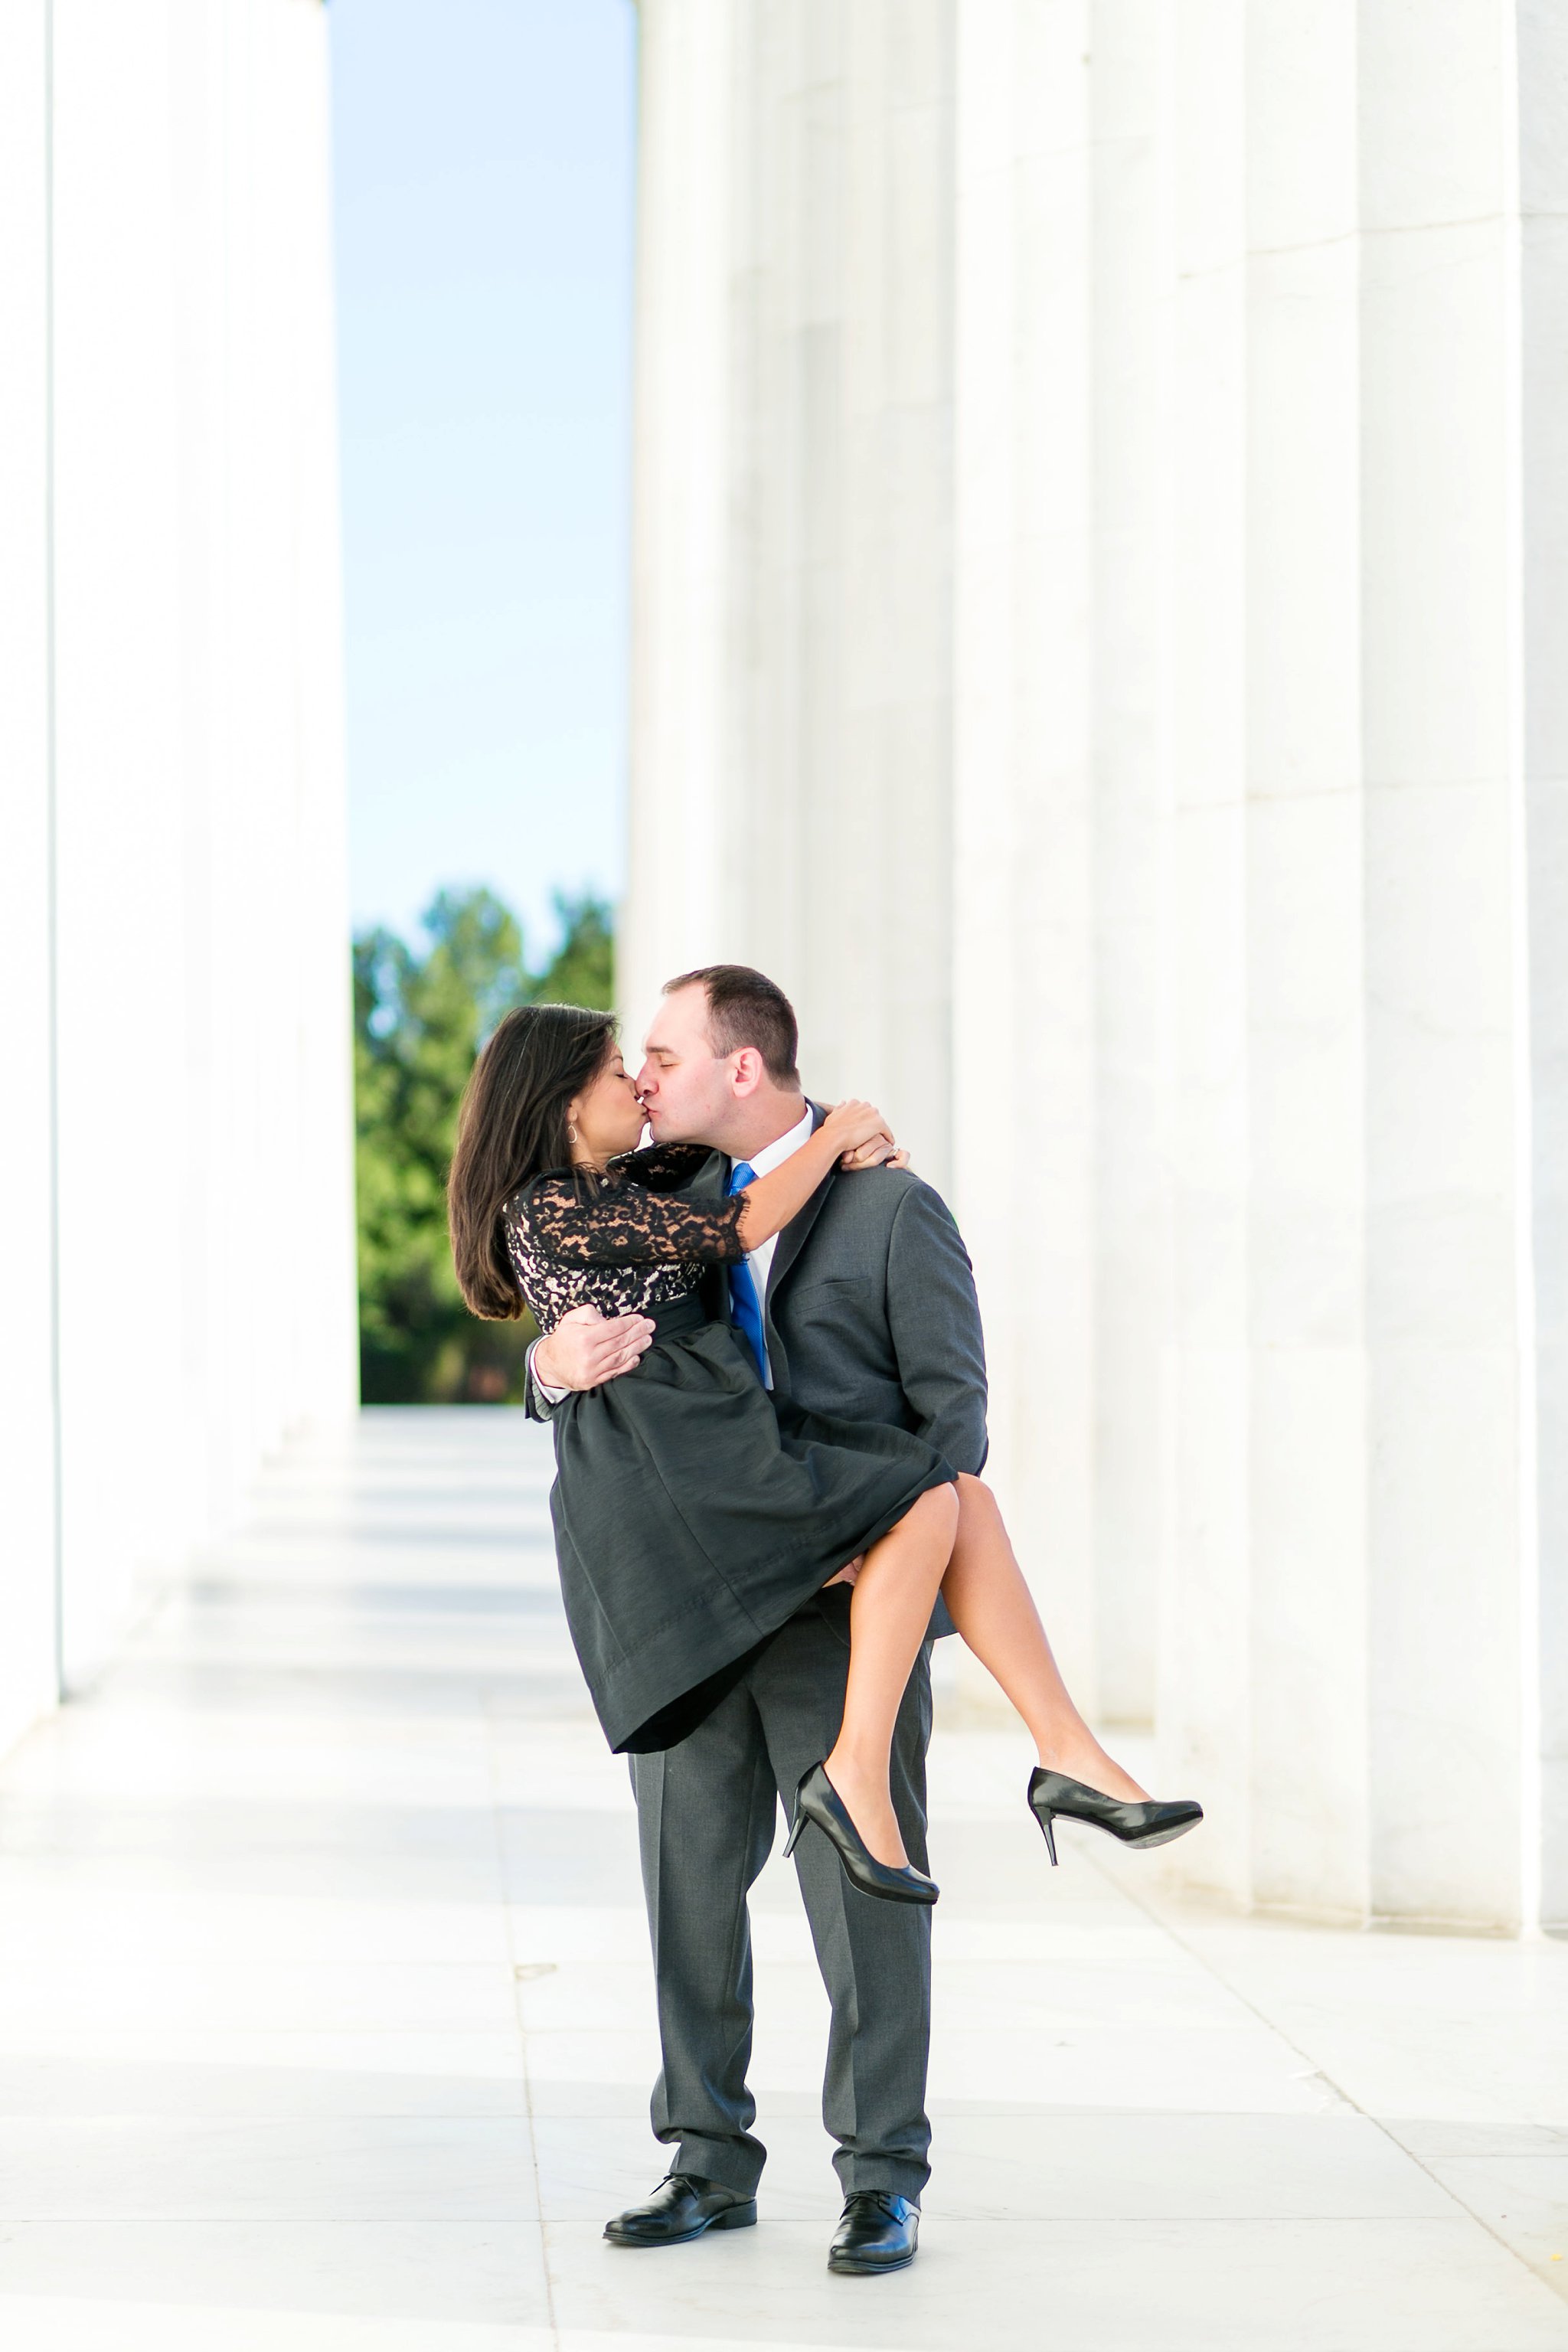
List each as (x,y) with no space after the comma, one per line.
(866,1310)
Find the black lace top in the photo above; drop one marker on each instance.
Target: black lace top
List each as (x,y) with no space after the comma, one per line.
(618,1242)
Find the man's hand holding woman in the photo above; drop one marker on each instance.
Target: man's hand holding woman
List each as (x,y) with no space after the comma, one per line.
(586,1348)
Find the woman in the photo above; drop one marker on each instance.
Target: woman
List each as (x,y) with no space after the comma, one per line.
(693,1517)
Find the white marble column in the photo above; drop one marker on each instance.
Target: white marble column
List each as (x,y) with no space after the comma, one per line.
(1448,1301)
(1129,281)
(174,771)
(1541,846)
(1204,1695)
(1350,1619)
(1216,681)
(1061,845)
(678,911)
(790,728)
(1024,991)
(1304,989)
(1263,1671)
(29,1361)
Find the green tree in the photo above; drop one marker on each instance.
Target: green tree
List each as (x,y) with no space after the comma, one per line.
(419,1020)
(582,970)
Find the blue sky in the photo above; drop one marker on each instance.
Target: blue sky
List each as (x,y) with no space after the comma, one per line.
(483,157)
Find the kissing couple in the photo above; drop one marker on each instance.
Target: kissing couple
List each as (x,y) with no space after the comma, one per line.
(760,1353)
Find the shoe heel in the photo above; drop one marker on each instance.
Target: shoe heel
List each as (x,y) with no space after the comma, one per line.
(738,2217)
(796,1826)
(1051,1836)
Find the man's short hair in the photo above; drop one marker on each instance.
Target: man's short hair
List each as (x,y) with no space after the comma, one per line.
(747,1008)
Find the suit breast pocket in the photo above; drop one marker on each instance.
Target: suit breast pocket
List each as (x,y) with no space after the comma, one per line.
(831,1295)
(844,1312)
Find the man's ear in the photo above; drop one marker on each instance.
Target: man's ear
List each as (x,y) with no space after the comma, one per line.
(748,1072)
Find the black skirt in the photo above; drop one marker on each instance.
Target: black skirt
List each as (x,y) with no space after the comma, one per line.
(692,1519)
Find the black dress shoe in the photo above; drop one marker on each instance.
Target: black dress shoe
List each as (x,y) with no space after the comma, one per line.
(876,2231)
(1147,1820)
(683,2206)
(816,1800)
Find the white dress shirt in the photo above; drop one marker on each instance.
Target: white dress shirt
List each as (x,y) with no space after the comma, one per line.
(759,1260)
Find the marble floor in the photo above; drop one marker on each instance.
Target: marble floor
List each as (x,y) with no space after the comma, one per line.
(326,2019)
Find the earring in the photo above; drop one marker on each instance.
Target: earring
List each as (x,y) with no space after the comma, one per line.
(570,1132)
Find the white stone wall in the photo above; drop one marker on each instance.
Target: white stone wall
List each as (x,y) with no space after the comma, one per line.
(1100,463)
(177,1178)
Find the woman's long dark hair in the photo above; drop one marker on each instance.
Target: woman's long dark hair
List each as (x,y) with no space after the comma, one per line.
(513,1126)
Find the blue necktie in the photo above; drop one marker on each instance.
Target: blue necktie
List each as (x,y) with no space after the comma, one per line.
(744,1304)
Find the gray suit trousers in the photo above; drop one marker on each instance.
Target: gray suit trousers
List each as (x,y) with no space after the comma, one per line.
(708,1813)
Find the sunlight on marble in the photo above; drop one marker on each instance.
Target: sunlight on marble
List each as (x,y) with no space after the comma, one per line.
(326,2019)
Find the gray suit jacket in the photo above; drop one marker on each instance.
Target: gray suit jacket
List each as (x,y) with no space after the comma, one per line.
(870,1313)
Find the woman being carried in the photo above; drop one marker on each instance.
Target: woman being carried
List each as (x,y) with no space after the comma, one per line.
(692,1516)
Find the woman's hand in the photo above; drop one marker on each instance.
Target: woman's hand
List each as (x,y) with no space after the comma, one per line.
(851,1126)
(853,1133)
(876,1149)
(877,1153)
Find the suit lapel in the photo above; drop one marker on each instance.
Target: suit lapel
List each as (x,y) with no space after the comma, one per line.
(710,1179)
(709,1184)
(794,1237)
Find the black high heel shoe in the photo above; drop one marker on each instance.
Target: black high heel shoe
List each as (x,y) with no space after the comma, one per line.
(1145,1821)
(816,1800)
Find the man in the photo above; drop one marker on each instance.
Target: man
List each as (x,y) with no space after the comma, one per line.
(864,1308)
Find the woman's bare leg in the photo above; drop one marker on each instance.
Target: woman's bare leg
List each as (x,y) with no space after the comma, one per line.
(895,1592)
(994,1611)
(955,1542)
